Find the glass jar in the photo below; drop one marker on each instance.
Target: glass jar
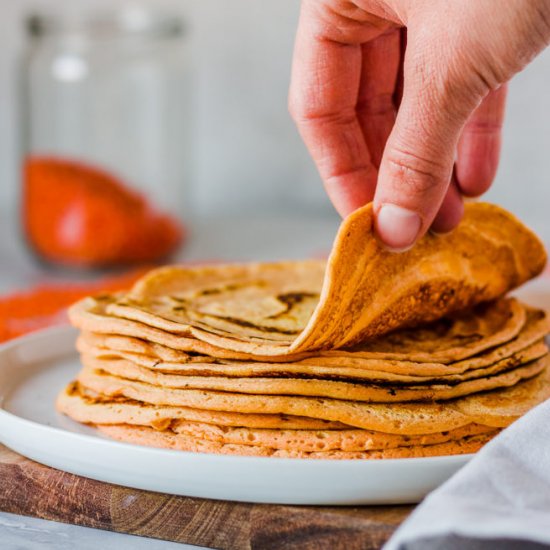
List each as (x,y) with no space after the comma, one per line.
(106,144)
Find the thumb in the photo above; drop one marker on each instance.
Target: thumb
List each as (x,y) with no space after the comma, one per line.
(417,164)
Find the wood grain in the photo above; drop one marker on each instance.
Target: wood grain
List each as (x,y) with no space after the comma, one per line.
(32,489)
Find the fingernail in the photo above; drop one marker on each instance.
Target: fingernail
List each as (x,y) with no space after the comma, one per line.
(439,233)
(397,227)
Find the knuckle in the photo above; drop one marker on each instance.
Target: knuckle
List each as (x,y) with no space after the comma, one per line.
(482,127)
(446,81)
(293,108)
(310,114)
(418,175)
(297,104)
(378,105)
(363,169)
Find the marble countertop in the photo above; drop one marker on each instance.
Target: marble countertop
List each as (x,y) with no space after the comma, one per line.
(25,533)
(231,239)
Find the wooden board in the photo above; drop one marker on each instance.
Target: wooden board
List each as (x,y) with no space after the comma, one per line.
(31,489)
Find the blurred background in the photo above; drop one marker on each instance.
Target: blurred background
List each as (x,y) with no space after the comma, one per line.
(248,178)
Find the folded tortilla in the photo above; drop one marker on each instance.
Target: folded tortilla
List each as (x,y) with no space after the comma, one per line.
(362,293)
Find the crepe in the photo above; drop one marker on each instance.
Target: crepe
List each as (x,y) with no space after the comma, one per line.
(299,370)
(350,389)
(364,292)
(444,354)
(85,405)
(398,418)
(321,440)
(457,337)
(90,315)
(369,355)
(258,430)
(166,360)
(166,439)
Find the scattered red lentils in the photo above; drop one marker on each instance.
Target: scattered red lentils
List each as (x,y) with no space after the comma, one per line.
(45,306)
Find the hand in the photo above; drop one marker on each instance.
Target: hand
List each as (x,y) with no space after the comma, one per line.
(368,142)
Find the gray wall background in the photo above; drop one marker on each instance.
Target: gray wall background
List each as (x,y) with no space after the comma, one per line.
(247,152)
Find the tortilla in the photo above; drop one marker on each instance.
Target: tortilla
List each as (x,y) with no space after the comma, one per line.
(211,368)
(452,338)
(371,355)
(369,291)
(90,315)
(399,418)
(320,440)
(315,387)
(166,439)
(273,309)
(501,408)
(264,430)
(286,307)
(459,337)
(129,344)
(490,348)
(85,405)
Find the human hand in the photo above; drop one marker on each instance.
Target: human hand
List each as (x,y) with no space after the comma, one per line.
(415,155)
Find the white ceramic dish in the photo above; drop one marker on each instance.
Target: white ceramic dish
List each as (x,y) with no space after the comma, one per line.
(35,367)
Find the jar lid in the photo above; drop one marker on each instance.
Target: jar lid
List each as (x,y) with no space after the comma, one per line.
(141,21)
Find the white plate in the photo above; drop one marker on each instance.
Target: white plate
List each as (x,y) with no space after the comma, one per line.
(34,368)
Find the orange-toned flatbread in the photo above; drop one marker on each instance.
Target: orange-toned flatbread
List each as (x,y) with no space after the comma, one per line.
(500,329)
(349,389)
(369,291)
(321,440)
(85,405)
(347,365)
(397,418)
(369,355)
(182,442)
(274,431)
(294,307)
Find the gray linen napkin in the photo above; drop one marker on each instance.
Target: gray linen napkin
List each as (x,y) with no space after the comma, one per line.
(499,500)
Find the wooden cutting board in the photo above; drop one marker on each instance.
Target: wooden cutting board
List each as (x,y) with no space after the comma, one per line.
(31,489)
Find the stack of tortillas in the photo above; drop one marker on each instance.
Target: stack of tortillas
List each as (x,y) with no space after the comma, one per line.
(371,355)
